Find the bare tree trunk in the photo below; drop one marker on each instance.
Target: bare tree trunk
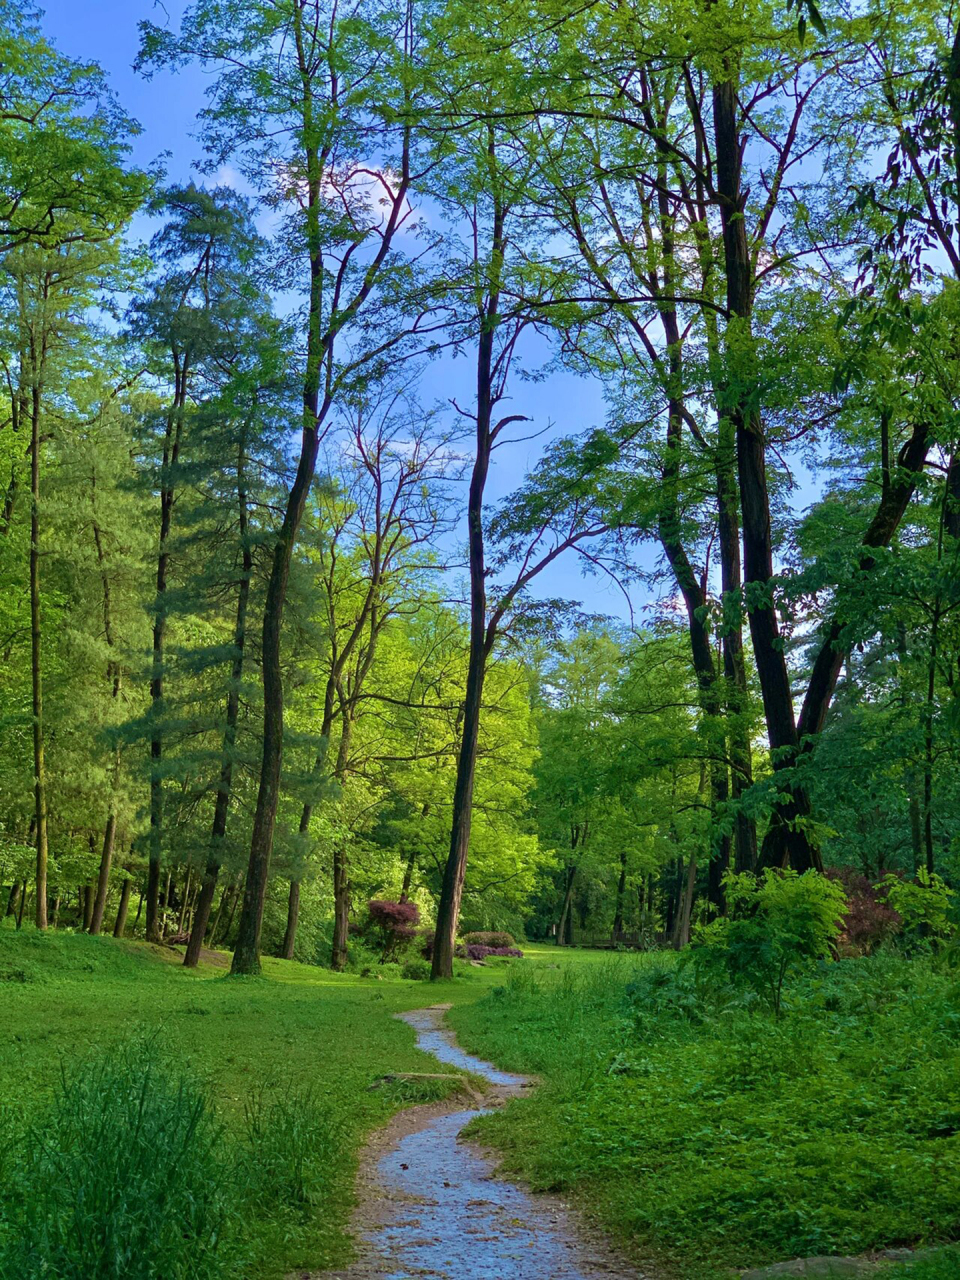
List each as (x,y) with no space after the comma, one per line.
(87,906)
(14,899)
(686,907)
(185,898)
(103,881)
(454,872)
(341,874)
(121,921)
(234,899)
(563,923)
(734,667)
(293,916)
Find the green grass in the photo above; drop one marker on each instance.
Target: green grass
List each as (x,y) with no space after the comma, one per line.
(248,1045)
(287,1057)
(705,1140)
(722,1139)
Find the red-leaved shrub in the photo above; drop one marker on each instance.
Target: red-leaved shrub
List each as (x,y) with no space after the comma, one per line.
(488,938)
(868,921)
(394,923)
(473,950)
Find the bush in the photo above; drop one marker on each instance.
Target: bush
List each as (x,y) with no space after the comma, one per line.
(922,904)
(474,951)
(869,921)
(124,1180)
(394,924)
(777,924)
(416,969)
(488,938)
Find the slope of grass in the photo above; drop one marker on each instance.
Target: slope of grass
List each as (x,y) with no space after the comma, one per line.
(284,1062)
(717,1139)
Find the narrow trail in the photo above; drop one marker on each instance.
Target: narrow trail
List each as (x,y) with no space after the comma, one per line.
(430,1205)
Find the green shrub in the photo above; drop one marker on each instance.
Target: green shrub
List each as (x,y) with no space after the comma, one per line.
(922,904)
(417,969)
(778,924)
(122,1180)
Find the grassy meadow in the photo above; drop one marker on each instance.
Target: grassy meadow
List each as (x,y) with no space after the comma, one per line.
(704,1137)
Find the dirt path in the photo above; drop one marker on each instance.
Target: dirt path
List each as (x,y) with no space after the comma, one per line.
(429,1204)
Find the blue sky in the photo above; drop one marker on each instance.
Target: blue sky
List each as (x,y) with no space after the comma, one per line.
(106,31)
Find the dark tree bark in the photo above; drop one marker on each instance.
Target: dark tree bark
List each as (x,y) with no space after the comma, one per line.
(895,497)
(87,906)
(791,837)
(120,923)
(13,899)
(293,916)
(448,908)
(734,667)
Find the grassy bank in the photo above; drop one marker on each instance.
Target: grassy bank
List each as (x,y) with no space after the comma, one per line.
(280,1066)
(715,1137)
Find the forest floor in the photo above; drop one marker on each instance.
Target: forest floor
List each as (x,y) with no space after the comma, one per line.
(703,1147)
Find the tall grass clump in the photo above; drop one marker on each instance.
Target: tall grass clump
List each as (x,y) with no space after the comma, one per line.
(122,1179)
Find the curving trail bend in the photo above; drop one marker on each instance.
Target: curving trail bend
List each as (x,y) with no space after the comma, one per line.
(430,1204)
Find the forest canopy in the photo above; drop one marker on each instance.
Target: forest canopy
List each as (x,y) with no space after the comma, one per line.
(301,574)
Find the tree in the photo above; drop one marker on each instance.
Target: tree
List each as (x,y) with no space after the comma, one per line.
(325,130)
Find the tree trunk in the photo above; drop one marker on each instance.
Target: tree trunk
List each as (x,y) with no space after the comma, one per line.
(246,956)
(211,873)
(87,907)
(341,876)
(114,675)
(234,899)
(39,764)
(408,877)
(563,927)
(103,881)
(293,916)
(171,454)
(621,891)
(734,667)
(24,894)
(120,923)
(185,899)
(13,900)
(789,834)
(454,872)
(685,914)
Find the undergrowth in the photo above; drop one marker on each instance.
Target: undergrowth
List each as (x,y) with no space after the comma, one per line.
(131,1175)
(711,1135)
